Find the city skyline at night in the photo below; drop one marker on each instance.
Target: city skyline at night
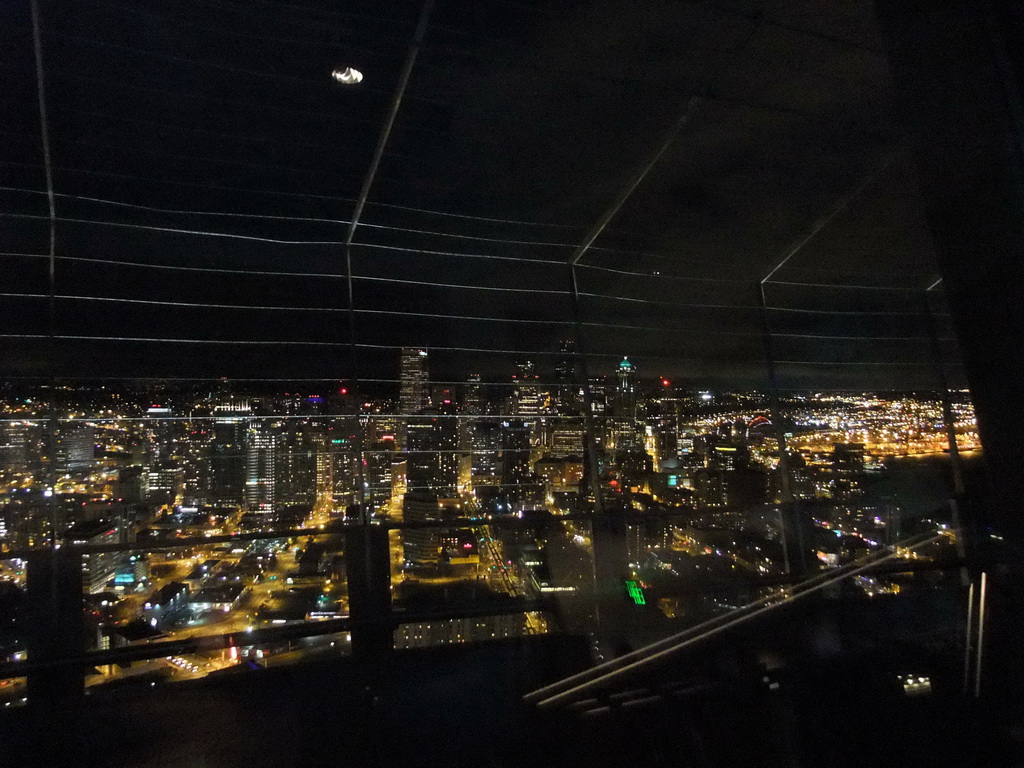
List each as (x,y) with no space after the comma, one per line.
(531,382)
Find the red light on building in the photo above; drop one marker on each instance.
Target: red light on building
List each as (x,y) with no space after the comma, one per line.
(343,391)
(665,382)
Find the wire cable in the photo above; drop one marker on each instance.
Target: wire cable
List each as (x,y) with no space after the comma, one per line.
(305,195)
(318,220)
(461,318)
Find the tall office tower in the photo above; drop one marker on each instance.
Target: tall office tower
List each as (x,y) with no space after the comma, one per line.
(598,397)
(377,475)
(625,434)
(378,426)
(76,448)
(433,461)
(847,471)
(518,484)
(227,455)
(296,463)
(159,433)
(420,546)
(163,482)
(485,443)
(526,398)
(470,410)
(432,470)
(194,448)
(663,440)
(342,444)
(568,395)
(567,437)
(261,468)
(473,397)
(14,446)
(471,407)
(414,375)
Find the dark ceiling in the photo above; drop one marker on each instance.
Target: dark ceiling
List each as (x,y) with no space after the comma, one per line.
(207,142)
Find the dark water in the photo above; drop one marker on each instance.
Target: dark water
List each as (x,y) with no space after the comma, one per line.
(920,485)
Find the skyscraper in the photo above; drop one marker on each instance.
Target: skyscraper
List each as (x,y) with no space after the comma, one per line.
(526,394)
(227,453)
(260,468)
(624,413)
(568,396)
(295,465)
(517,481)
(14,446)
(377,474)
(77,448)
(413,374)
(432,474)
(485,441)
(433,463)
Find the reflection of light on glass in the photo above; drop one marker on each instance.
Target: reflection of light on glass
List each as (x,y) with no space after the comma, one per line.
(347,76)
(915,686)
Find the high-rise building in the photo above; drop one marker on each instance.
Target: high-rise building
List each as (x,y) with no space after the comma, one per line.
(77,448)
(847,471)
(296,463)
(14,446)
(377,471)
(227,460)
(414,378)
(163,482)
(567,437)
(433,461)
(519,486)
(432,473)
(625,435)
(420,546)
(473,399)
(526,398)
(485,443)
(160,432)
(470,410)
(568,395)
(261,468)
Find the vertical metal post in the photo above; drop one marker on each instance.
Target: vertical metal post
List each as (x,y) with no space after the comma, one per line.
(51,422)
(368,567)
(949,422)
(364,194)
(599,521)
(588,397)
(981,634)
(967,639)
(948,418)
(787,510)
(56,633)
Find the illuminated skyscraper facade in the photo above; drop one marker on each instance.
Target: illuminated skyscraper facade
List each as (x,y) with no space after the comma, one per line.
(625,436)
(260,469)
(414,376)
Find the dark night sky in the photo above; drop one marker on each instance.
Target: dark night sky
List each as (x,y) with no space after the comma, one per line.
(520,125)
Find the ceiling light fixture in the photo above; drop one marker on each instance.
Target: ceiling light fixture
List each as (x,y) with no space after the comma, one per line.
(347,75)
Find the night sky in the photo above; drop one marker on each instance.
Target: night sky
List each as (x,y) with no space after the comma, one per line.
(520,125)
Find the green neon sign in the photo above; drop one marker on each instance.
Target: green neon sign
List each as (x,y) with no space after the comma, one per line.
(635,592)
